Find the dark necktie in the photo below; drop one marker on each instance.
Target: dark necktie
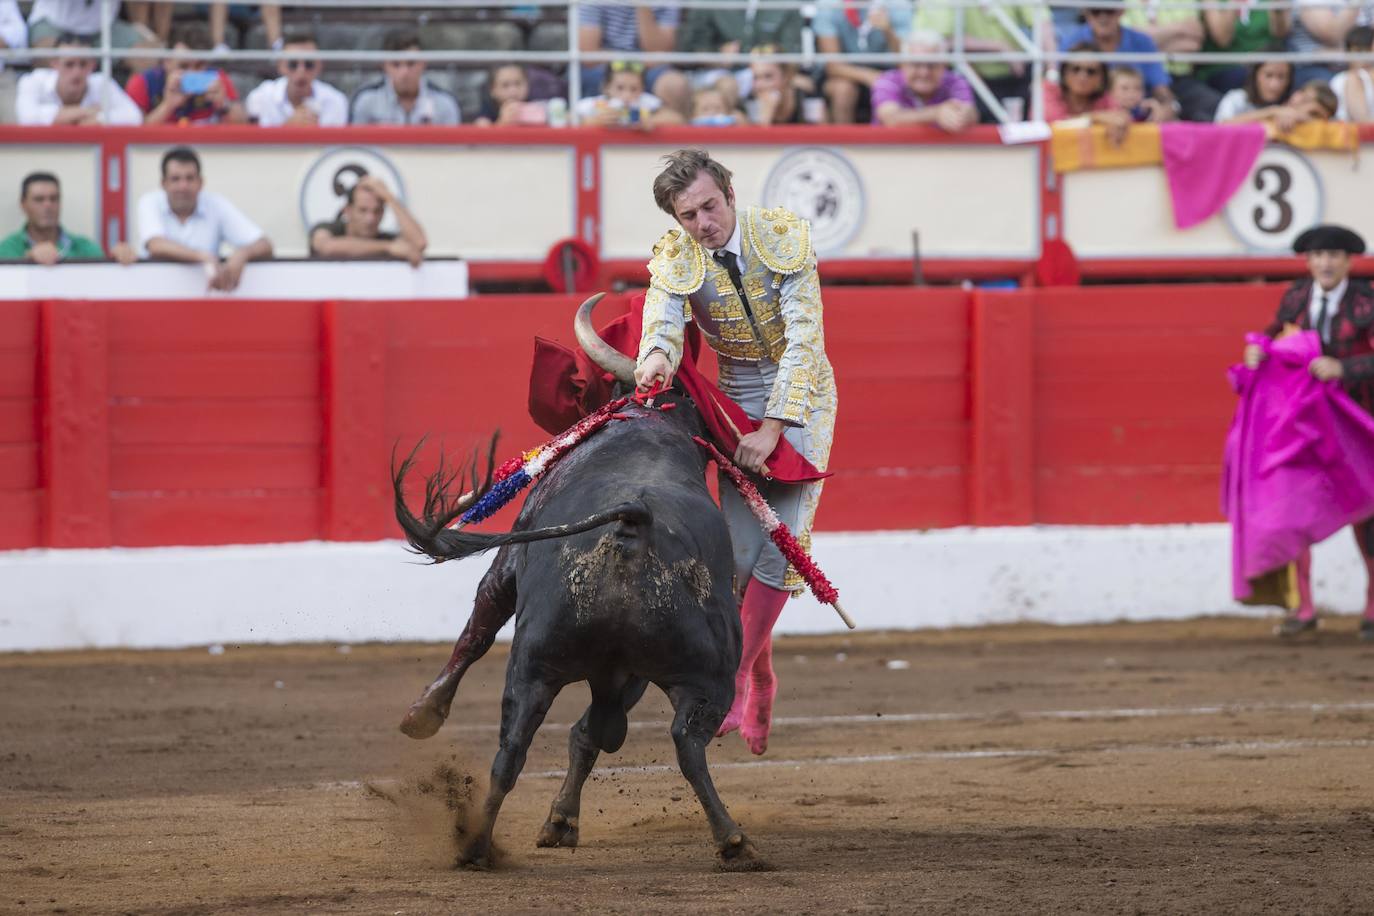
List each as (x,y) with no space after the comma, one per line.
(1324,319)
(728,260)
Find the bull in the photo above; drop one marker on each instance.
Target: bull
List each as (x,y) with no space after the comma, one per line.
(619,572)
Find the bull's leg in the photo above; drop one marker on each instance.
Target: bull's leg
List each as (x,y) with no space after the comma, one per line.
(523,708)
(561,827)
(697,715)
(493,606)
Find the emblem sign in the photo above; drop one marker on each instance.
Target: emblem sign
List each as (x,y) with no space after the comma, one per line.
(1281,197)
(821,185)
(324,192)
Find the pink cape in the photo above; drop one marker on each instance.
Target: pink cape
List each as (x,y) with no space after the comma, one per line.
(1299,460)
(1205,164)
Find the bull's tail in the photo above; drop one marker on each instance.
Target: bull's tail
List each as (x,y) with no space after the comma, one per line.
(429,534)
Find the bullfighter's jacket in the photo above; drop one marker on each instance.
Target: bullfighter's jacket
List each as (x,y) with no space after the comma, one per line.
(1352,333)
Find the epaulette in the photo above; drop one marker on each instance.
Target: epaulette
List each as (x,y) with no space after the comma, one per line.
(679,264)
(780,238)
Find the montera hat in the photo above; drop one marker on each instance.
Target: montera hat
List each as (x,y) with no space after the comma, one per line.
(1329,237)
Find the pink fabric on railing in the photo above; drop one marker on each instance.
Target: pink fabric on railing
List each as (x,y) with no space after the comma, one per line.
(1299,460)
(1205,164)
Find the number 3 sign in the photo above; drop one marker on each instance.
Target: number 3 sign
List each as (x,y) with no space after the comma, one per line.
(1281,198)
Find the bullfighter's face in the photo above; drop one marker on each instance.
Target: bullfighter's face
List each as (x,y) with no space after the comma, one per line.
(706,212)
(1328,268)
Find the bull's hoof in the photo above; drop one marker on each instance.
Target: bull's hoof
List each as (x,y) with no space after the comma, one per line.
(422,721)
(558,830)
(478,856)
(738,854)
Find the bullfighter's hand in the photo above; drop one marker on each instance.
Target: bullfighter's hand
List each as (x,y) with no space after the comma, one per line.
(754,448)
(1326,368)
(1254,355)
(655,368)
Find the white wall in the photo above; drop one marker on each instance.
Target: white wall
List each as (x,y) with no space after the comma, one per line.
(180,596)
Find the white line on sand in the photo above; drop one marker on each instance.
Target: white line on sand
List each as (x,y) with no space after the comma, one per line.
(1220,709)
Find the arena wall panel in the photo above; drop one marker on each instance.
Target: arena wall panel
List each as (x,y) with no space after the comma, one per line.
(20,476)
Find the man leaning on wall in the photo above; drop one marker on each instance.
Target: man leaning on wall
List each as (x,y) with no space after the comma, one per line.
(43,239)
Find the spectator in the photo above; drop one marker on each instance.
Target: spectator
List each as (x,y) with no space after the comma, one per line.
(737,31)
(1316,100)
(1354,87)
(612,27)
(296,98)
(182,222)
(1239,29)
(271,23)
(154,17)
(924,93)
(984,31)
(70,92)
(404,96)
(50,20)
(1080,97)
(1177,28)
(1126,92)
(774,97)
(42,239)
(14,31)
(1264,97)
(711,108)
(508,99)
(625,101)
(185,91)
(1321,25)
(842,28)
(356,233)
(1104,33)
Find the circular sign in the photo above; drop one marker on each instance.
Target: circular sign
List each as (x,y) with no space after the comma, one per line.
(330,177)
(1281,197)
(821,186)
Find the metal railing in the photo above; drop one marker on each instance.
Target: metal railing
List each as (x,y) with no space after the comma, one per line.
(1034,50)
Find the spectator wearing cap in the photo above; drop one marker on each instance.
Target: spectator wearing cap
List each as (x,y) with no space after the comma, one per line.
(1322,26)
(71,92)
(921,92)
(1237,27)
(1341,310)
(187,91)
(616,27)
(298,98)
(982,30)
(1354,87)
(848,27)
(184,222)
(357,233)
(1104,32)
(42,240)
(403,95)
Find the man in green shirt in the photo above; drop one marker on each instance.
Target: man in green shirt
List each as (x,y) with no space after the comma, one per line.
(42,239)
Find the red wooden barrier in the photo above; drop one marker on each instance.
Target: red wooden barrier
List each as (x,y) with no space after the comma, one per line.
(143,423)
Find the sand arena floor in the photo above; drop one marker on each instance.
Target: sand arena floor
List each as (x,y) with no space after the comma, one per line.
(1195,767)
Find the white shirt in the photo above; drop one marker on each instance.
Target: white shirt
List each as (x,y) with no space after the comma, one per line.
(1233,103)
(734,246)
(214,222)
(14,31)
(1333,299)
(81,17)
(37,103)
(592,104)
(269,106)
(1338,86)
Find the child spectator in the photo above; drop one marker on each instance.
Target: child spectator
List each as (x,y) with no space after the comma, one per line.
(624,100)
(1126,92)
(711,108)
(1264,97)
(1316,100)
(184,91)
(507,102)
(1354,87)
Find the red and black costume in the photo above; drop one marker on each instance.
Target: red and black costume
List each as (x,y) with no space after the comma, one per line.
(1351,335)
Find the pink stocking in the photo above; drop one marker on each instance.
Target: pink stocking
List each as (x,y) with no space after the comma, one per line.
(1364,536)
(759,611)
(758,709)
(1306,609)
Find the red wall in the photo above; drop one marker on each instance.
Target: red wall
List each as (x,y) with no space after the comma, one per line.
(143,423)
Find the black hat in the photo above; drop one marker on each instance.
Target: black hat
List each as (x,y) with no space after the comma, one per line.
(1329,237)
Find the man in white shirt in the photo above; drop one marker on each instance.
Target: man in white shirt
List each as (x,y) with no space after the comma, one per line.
(297,98)
(181,222)
(71,92)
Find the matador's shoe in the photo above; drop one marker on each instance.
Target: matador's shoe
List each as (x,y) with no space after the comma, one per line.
(1367,629)
(1296,626)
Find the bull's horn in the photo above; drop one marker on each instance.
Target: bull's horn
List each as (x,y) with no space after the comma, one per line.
(601,353)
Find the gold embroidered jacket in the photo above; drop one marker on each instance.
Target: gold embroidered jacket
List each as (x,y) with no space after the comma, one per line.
(779,277)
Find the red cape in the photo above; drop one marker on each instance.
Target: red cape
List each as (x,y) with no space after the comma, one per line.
(565,386)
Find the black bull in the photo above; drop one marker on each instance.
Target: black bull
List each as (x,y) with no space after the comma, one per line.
(619,572)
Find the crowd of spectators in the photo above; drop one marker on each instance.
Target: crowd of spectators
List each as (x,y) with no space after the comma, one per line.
(195,89)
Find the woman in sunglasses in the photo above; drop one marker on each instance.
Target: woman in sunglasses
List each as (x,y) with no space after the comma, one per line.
(1081,93)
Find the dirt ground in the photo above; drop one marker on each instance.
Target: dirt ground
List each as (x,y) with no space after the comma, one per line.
(1197,767)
